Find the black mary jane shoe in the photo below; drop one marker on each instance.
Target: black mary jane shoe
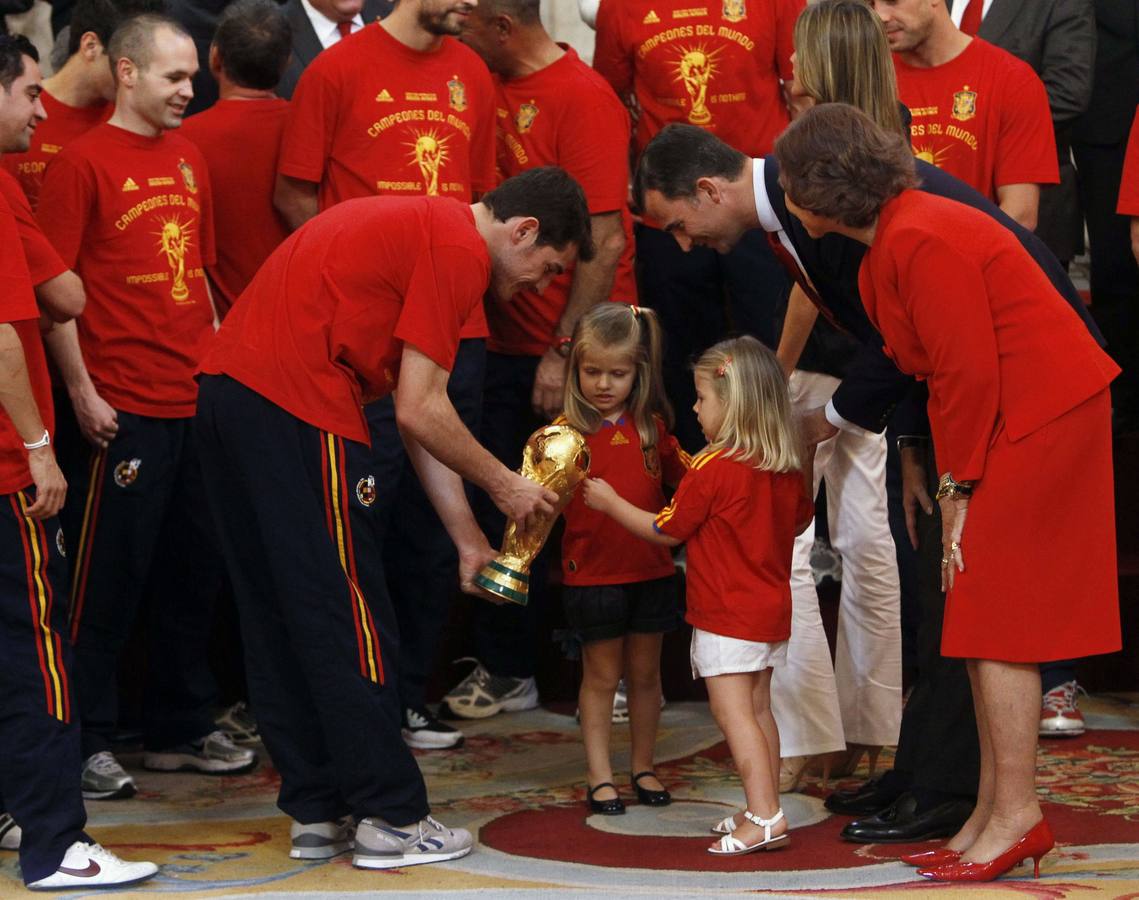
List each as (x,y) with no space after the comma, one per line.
(648,797)
(611,807)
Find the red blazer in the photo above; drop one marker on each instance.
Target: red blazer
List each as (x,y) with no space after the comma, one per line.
(960,303)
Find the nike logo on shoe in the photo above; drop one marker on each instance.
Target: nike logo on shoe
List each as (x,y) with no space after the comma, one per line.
(90,872)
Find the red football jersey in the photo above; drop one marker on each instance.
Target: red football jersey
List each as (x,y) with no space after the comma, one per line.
(1129,187)
(563,115)
(595,549)
(320,330)
(63,125)
(716,63)
(132,216)
(372,116)
(983,117)
(739,524)
(240,140)
(42,260)
(18,309)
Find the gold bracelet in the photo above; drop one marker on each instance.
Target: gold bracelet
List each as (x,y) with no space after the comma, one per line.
(954,490)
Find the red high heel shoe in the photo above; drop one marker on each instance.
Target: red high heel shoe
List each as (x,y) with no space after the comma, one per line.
(931,858)
(1035,843)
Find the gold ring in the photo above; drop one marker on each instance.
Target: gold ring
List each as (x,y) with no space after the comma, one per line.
(954,547)
(944,561)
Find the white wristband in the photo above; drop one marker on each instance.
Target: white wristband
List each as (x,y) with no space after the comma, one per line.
(42,442)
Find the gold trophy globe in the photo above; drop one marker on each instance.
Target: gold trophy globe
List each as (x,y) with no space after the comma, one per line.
(557,458)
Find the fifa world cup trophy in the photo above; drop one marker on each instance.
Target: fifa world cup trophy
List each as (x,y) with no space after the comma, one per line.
(557,458)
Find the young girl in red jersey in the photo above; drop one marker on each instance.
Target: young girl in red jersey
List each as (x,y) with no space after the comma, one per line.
(619,598)
(739,507)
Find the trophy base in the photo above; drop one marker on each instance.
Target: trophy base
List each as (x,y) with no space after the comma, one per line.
(508,584)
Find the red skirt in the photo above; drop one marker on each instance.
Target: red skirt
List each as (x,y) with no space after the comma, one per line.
(1040,580)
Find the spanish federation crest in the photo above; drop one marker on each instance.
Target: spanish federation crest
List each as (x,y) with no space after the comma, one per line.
(734,10)
(964,104)
(527,113)
(188,176)
(127,471)
(457,94)
(366,490)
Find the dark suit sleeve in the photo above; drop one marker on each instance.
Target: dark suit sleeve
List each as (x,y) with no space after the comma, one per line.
(1068,63)
(872,389)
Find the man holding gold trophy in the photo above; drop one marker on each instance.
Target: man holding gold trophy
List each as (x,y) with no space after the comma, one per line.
(364,300)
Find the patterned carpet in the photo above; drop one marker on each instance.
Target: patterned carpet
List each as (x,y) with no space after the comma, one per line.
(517,784)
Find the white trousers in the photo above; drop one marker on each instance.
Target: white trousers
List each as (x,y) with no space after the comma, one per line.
(858,700)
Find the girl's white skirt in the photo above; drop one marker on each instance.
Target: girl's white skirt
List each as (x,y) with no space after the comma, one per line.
(714,654)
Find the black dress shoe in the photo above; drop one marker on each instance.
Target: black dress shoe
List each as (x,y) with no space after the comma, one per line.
(868,798)
(647,796)
(902,823)
(611,807)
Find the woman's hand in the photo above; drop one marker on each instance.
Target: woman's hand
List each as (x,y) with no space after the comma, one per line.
(953,513)
(598,494)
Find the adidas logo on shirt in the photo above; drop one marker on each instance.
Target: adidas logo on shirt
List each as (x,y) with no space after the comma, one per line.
(618,439)
(384,97)
(651,19)
(129,185)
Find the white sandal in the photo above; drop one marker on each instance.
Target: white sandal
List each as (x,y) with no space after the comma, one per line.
(725,826)
(731,846)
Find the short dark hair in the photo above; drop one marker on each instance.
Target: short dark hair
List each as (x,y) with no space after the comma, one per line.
(551,196)
(102,17)
(134,38)
(678,157)
(254,40)
(835,161)
(528,12)
(13,49)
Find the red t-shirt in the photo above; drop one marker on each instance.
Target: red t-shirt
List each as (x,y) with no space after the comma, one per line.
(63,125)
(42,261)
(983,117)
(18,308)
(716,64)
(372,116)
(595,549)
(563,115)
(739,523)
(1129,187)
(320,330)
(240,140)
(132,216)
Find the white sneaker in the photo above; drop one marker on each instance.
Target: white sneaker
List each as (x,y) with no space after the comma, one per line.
(90,865)
(10,833)
(481,695)
(381,846)
(214,754)
(104,779)
(322,840)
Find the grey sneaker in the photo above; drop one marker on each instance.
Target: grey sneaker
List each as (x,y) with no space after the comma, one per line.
(215,754)
(90,865)
(380,846)
(481,695)
(238,722)
(10,833)
(322,840)
(104,779)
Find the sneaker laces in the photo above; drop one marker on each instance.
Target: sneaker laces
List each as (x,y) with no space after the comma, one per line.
(99,852)
(416,719)
(1062,698)
(479,674)
(104,763)
(217,737)
(434,823)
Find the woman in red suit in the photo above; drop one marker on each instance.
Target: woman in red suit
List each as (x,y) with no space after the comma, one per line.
(1020,415)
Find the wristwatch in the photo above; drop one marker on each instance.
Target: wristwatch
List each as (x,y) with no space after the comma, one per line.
(954,490)
(562,346)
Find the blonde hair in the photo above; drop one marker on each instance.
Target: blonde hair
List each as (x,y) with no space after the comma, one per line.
(758,426)
(842,56)
(611,325)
